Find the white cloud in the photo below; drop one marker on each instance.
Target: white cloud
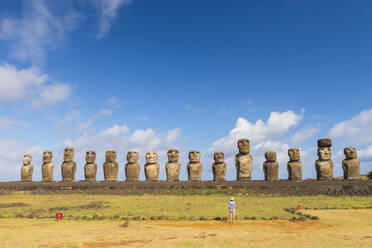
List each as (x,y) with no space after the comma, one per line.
(31,85)
(6,123)
(304,134)
(107,11)
(38,29)
(357,130)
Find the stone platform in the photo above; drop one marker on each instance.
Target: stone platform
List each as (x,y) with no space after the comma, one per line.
(281,187)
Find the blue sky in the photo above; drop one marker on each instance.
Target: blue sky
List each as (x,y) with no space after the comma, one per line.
(156,75)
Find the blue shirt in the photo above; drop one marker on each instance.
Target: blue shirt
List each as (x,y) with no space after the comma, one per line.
(231,204)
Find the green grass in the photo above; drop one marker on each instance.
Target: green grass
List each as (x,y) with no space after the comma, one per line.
(173,206)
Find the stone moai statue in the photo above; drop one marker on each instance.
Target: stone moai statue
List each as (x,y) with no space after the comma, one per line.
(194,167)
(270,166)
(351,164)
(152,167)
(219,167)
(294,164)
(27,169)
(47,169)
(324,165)
(132,167)
(243,160)
(68,167)
(90,168)
(172,167)
(110,167)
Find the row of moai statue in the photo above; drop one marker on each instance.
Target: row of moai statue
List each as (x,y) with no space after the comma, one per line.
(243,163)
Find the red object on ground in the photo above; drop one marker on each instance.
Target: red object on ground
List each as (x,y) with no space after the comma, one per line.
(298,207)
(59,216)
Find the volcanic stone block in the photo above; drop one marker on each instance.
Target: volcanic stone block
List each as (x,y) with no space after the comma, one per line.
(270,166)
(219,167)
(90,168)
(172,167)
(294,164)
(68,167)
(324,142)
(132,168)
(152,168)
(47,169)
(194,167)
(324,165)
(110,167)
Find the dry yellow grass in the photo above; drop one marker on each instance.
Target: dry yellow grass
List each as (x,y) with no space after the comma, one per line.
(337,228)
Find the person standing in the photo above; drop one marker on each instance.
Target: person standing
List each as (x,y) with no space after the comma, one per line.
(232,206)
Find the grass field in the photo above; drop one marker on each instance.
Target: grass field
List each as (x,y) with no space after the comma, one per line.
(336,227)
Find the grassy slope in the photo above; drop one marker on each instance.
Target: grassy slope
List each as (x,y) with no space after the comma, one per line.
(174,206)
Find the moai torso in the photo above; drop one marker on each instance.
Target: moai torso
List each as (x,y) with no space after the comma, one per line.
(110,167)
(351,165)
(90,168)
(152,168)
(172,167)
(324,165)
(132,168)
(27,169)
(194,167)
(219,167)
(68,166)
(47,169)
(270,166)
(243,160)
(294,164)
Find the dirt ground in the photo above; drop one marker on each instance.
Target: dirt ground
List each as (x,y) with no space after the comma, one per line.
(336,228)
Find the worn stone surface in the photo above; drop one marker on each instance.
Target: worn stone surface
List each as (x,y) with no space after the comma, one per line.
(324,142)
(351,165)
(194,167)
(243,160)
(90,168)
(324,165)
(110,167)
(132,167)
(219,167)
(172,167)
(47,169)
(270,166)
(27,169)
(294,165)
(68,167)
(152,168)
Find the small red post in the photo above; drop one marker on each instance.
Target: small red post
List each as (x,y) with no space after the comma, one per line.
(298,207)
(59,216)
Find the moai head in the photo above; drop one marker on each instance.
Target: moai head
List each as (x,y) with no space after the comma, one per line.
(132,157)
(219,157)
(27,159)
(68,155)
(244,145)
(350,152)
(324,153)
(110,156)
(270,156)
(173,155)
(151,157)
(294,154)
(194,156)
(47,156)
(90,156)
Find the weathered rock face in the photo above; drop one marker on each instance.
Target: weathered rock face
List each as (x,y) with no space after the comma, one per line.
(194,167)
(68,167)
(152,168)
(270,166)
(243,160)
(172,167)
(27,169)
(219,167)
(351,164)
(324,165)
(47,169)
(294,164)
(90,168)
(132,167)
(110,167)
